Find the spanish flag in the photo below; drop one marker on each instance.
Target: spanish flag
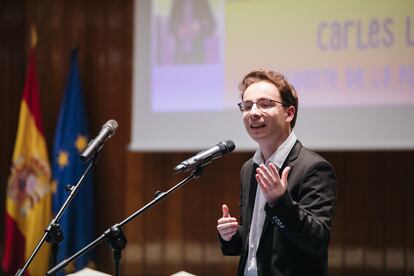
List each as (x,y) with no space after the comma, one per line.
(28,201)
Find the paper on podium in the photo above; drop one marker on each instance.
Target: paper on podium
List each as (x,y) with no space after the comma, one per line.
(182,273)
(89,272)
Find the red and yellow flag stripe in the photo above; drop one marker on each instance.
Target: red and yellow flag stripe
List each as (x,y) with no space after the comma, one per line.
(28,203)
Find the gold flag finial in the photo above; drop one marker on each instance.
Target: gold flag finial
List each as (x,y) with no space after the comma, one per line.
(33,36)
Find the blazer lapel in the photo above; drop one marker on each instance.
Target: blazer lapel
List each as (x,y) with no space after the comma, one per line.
(293,154)
(252,195)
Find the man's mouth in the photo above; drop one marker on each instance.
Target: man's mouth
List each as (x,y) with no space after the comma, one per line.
(257,125)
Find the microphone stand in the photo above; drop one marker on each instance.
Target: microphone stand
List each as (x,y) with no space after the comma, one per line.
(114,235)
(53,232)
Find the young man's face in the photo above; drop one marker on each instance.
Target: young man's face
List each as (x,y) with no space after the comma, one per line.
(269,124)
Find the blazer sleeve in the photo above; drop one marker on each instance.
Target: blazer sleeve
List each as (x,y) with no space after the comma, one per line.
(234,247)
(306,222)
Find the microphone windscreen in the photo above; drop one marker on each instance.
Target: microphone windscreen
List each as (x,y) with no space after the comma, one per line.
(230,145)
(112,124)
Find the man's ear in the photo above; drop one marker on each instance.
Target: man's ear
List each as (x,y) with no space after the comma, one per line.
(290,113)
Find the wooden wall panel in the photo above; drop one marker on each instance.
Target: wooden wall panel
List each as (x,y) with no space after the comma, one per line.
(180,232)
(407,161)
(394,216)
(370,234)
(375,215)
(336,252)
(12,73)
(103,32)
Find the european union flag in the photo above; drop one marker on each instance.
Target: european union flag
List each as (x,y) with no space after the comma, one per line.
(71,138)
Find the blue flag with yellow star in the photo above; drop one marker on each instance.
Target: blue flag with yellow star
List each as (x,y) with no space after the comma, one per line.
(71,138)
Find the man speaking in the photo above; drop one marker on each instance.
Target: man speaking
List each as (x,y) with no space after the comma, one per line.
(288,192)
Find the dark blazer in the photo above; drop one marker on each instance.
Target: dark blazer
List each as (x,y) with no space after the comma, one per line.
(295,234)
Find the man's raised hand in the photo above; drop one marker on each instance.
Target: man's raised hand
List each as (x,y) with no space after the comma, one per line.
(227,226)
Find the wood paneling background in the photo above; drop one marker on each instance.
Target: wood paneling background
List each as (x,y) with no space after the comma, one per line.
(371,235)
(372,231)
(103,32)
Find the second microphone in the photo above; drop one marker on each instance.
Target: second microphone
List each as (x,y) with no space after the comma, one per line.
(205,157)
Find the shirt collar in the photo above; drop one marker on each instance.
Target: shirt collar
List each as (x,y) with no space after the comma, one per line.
(280,155)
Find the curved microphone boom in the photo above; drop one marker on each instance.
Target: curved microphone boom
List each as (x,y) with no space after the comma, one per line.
(205,157)
(95,145)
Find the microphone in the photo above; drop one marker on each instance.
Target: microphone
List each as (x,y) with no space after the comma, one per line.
(206,156)
(95,145)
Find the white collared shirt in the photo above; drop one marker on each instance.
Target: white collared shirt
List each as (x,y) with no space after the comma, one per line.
(259,215)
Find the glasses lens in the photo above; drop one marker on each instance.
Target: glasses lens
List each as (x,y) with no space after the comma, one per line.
(246,105)
(264,104)
(261,104)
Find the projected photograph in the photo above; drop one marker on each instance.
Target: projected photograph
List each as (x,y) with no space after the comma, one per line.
(187,35)
(187,72)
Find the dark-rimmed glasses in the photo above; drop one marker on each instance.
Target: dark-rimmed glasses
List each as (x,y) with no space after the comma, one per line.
(262,104)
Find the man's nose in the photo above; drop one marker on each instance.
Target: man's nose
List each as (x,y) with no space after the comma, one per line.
(255,110)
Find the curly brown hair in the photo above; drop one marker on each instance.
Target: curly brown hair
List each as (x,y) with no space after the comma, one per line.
(287,91)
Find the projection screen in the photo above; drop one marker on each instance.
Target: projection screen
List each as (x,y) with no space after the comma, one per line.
(352,63)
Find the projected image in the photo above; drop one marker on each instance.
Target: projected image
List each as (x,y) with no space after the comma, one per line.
(351,62)
(348,54)
(188,36)
(187,71)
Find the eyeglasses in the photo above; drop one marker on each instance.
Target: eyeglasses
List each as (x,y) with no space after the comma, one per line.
(262,104)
